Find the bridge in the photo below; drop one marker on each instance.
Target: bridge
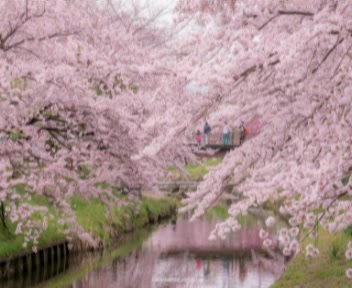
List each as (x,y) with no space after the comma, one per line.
(182,186)
(220,147)
(215,140)
(171,185)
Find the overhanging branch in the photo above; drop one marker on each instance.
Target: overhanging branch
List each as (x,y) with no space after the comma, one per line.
(288,13)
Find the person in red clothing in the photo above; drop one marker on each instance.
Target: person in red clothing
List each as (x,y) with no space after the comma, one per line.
(243,132)
(199,139)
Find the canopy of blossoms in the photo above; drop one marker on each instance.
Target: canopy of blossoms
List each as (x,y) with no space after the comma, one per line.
(285,66)
(87,84)
(80,85)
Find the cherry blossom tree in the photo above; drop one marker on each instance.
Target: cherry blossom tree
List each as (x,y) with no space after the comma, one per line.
(94,85)
(287,64)
(77,84)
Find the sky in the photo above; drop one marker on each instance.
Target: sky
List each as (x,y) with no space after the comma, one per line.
(156,5)
(167,19)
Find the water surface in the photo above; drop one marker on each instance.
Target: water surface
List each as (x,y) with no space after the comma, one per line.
(180,255)
(172,255)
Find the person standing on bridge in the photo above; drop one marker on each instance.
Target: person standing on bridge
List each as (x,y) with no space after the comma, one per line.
(226,133)
(242,136)
(199,139)
(206,131)
(243,132)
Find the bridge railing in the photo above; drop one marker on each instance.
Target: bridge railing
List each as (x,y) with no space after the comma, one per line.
(217,137)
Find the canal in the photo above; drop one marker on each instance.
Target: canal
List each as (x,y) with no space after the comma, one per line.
(174,254)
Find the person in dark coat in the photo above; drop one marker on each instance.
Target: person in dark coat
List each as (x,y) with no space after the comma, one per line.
(206,131)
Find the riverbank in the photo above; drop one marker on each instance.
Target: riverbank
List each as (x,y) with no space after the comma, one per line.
(327,270)
(93,261)
(195,171)
(96,217)
(177,251)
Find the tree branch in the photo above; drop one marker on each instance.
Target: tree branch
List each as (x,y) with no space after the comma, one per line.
(31,39)
(293,12)
(338,41)
(2,216)
(59,141)
(27,9)
(338,65)
(289,13)
(268,21)
(323,214)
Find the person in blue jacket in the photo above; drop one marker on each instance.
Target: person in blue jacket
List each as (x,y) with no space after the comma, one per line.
(206,131)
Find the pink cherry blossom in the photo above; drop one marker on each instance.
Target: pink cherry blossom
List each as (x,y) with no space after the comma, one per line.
(349,273)
(92,94)
(270,221)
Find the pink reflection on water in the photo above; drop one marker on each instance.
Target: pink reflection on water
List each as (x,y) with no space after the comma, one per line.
(193,237)
(180,256)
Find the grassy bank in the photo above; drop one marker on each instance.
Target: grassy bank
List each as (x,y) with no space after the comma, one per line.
(327,270)
(104,222)
(220,211)
(11,243)
(217,212)
(96,261)
(195,171)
